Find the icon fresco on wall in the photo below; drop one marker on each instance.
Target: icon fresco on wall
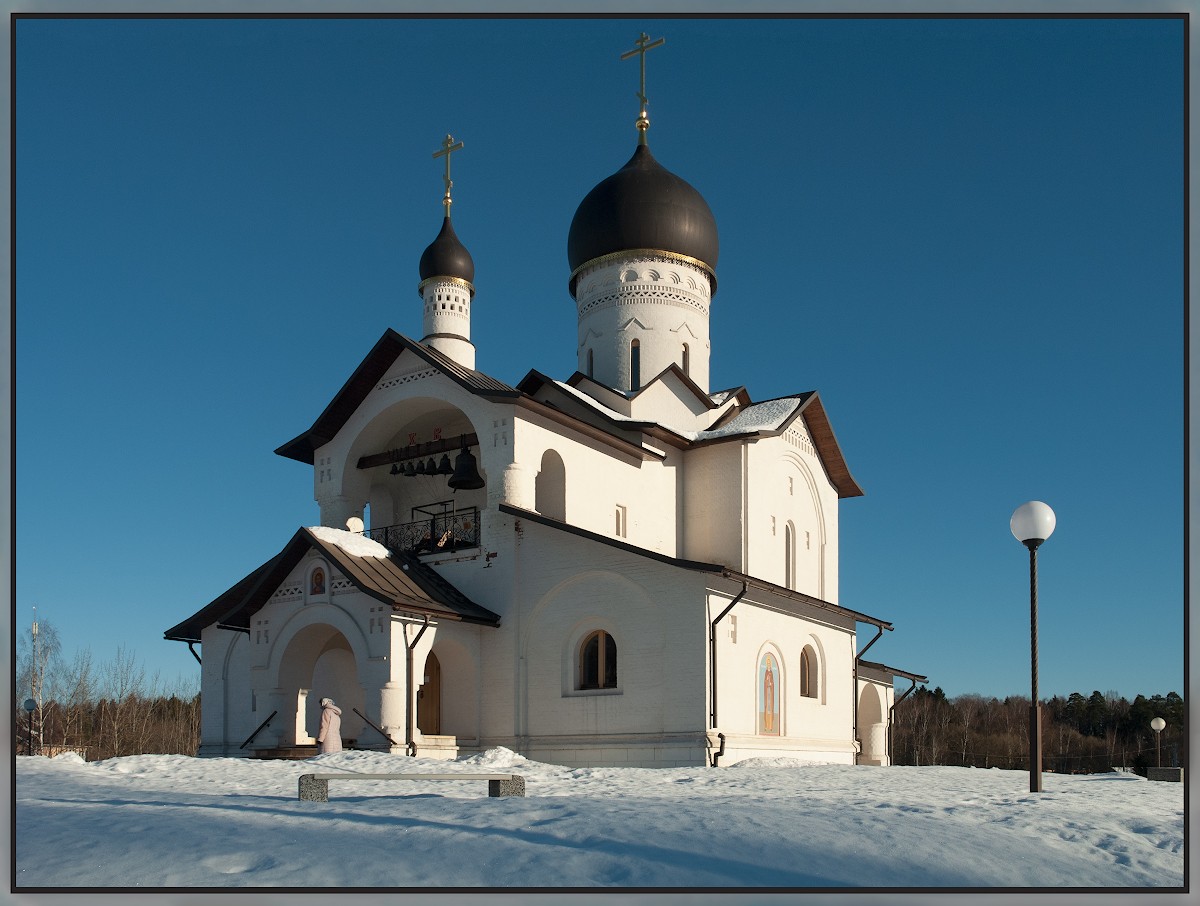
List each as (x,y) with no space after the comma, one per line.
(768,696)
(318,582)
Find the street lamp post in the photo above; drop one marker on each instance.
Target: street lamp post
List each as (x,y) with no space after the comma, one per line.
(30,706)
(1157,726)
(1031,524)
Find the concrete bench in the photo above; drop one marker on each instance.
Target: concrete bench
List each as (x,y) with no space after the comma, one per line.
(315,787)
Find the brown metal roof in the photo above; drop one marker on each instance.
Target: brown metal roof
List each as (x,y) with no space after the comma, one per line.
(401,580)
(347,400)
(696,565)
(828,450)
(895,671)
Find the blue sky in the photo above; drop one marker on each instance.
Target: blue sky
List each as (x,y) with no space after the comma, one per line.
(967,234)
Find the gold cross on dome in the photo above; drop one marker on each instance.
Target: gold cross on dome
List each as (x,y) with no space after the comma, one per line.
(643,44)
(448,146)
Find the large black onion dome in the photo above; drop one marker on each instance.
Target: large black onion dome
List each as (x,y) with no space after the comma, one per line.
(643,206)
(447,257)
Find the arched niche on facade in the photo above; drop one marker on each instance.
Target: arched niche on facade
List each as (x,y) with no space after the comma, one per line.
(807,520)
(550,487)
(770,683)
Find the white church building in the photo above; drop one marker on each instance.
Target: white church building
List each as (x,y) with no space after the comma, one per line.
(625,567)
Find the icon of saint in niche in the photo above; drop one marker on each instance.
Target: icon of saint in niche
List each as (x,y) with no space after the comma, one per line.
(318,582)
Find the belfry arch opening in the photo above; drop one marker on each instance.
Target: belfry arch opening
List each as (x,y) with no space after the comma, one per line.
(403,461)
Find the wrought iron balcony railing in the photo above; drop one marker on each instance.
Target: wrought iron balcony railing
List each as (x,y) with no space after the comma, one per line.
(436,533)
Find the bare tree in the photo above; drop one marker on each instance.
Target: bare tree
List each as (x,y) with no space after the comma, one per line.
(123,680)
(967,709)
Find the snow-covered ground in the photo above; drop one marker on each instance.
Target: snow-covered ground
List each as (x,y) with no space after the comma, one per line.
(173,821)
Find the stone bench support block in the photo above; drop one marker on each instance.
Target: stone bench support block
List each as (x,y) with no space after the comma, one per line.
(315,787)
(515,786)
(312,789)
(1171,775)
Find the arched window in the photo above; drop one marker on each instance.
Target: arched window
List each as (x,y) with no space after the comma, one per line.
(808,672)
(635,365)
(789,556)
(687,360)
(770,695)
(598,661)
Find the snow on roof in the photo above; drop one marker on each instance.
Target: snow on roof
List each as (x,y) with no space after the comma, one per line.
(765,416)
(598,406)
(351,542)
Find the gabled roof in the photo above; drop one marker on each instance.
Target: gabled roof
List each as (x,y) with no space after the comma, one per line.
(715,569)
(688,383)
(720,397)
(398,579)
(385,352)
(772,417)
(535,381)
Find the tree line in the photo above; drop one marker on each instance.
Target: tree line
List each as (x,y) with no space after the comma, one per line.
(1080,735)
(102,710)
(99,710)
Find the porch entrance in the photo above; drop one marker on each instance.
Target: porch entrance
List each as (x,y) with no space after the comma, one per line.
(429,698)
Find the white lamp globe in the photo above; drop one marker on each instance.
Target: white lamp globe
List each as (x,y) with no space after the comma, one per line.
(1032,521)
(1157,724)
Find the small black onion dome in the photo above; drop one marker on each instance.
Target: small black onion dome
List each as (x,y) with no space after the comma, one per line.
(447,257)
(643,206)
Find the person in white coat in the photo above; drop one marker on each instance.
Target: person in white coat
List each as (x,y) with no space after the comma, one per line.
(330,736)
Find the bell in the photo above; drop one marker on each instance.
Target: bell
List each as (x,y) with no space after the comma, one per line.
(420,467)
(431,467)
(466,474)
(444,467)
(410,471)
(395,470)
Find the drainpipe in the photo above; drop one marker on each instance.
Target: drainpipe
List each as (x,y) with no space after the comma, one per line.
(410,747)
(857,658)
(892,719)
(196,656)
(712,657)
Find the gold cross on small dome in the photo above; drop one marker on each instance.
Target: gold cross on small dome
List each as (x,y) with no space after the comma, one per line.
(448,146)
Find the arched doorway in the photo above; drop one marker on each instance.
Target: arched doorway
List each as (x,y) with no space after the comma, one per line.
(871,728)
(429,698)
(317,663)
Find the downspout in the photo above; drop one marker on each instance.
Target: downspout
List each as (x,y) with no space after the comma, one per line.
(712,659)
(196,656)
(857,658)
(892,719)
(410,747)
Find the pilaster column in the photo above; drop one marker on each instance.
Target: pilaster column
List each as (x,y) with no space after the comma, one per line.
(517,486)
(336,510)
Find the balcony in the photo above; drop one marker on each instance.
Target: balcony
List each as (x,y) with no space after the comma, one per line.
(440,529)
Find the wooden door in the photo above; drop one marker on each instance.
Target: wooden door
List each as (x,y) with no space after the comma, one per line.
(429,698)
